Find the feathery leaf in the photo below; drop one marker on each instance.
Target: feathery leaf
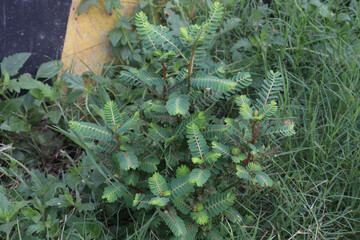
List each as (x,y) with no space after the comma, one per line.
(174,222)
(158,185)
(126,160)
(218,203)
(199,176)
(180,186)
(196,141)
(113,192)
(112,115)
(178,104)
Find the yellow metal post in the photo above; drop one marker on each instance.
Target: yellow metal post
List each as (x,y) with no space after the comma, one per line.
(86,44)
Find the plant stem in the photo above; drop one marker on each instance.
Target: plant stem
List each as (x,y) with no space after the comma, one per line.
(87,108)
(164,77)
(152,12)
(3,94)
(118,140)
(45,107)
(191,65)
(118,14)
(127,39)
(182,13)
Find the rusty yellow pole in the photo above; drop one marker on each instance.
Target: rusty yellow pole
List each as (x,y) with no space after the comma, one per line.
(86,45)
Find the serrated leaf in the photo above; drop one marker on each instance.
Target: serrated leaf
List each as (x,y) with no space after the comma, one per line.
(243,80)
(132,178)
(190,234)
(7,227)
(198,119)
(155,36)
(91,131)
(13,63)
(49,69)
(75,82)
(286,130)
(159,133)
(86,4)
(270,89)
(115,36)
(140,201)
(215,235)
(212,157)
(31,214)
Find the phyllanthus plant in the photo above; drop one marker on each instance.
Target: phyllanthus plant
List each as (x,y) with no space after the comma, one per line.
(172,153)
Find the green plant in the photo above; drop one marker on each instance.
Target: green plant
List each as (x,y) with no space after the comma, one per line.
(45,205)
(30,105)
(27,105)
(172,152)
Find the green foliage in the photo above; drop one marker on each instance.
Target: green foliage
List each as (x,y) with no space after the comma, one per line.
(200,217)
(199,176)
(27,106)
(317,170)
(174,222)
(126,160)
(177,104)
(113,192)
(218,203)
(160,146)
(112,115)
(86,4)
(12,64)
(158,185)
(197,142)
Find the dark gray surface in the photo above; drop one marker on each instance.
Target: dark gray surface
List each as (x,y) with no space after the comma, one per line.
(35,26)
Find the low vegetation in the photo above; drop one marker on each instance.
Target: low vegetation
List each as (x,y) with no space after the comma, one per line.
(190,133)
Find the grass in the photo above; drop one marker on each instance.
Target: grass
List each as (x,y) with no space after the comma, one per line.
(318,170)
(317,48)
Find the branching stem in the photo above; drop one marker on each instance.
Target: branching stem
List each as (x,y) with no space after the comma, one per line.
(164,77)
(191,65)
(118,140)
